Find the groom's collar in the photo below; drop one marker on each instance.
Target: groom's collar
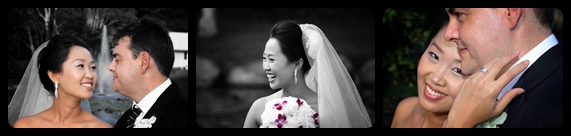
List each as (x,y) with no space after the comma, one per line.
(532,56)
(147,102)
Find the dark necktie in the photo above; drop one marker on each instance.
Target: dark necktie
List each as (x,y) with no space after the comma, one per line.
(133,115)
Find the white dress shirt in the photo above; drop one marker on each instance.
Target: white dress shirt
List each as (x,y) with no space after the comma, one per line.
(147,102)
(532,56)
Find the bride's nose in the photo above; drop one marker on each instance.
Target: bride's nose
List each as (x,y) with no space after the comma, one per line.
(266,67)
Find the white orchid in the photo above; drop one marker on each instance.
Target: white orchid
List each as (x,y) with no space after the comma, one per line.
(146,123)
(494,122)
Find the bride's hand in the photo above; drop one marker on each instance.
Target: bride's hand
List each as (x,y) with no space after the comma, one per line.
(476,100)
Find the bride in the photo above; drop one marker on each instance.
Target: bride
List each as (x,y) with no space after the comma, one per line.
(32,103)
(313,86)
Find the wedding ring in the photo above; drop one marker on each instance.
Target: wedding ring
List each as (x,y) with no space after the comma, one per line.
(484,70)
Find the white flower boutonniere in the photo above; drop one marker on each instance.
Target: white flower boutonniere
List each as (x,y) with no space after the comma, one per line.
(146,123)
(494,122)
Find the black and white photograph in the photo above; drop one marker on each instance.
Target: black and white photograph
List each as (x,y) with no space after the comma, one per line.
(285,68)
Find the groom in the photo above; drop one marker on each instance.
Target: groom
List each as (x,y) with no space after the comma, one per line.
(143,57)
(483,34)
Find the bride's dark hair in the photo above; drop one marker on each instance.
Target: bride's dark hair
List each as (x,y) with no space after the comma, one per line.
(51,58)
(441,22)
(289,35)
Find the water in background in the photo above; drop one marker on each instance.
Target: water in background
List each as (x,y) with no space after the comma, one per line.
(107,104)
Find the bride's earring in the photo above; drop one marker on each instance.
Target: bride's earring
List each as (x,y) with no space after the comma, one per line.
(295,75)
(56,90)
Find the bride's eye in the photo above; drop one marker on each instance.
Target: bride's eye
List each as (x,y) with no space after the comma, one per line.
(433,55)
(458,71)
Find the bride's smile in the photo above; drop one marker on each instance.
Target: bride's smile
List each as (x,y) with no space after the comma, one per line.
(433,94)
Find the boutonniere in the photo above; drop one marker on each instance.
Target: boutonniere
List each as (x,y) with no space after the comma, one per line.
(494,122)
(146,123)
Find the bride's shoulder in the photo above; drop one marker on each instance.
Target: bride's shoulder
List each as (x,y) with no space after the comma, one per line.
(94,122)
(263,100)
(259,104)
(407,105)
(404,110)
(407,102)
(26,122)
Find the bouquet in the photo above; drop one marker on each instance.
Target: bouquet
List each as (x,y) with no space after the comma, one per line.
(289,112)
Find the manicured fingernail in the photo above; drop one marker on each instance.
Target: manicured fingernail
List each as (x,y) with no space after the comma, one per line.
(520,91)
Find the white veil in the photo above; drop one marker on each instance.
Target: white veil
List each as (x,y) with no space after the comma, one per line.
(31,97)
(340,105)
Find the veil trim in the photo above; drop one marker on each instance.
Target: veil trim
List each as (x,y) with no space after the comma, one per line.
(339,102)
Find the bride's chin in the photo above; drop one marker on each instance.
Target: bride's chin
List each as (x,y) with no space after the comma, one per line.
(427,104)
(275,88)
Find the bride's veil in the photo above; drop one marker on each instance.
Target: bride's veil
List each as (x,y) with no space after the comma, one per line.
(340,104)
(31,97)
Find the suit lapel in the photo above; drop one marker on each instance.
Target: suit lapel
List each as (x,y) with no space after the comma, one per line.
(121,122)
(158,109)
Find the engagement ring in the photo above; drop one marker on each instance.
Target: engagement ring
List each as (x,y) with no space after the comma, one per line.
(484,70)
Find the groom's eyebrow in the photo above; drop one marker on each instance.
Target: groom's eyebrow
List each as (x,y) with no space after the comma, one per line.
(115,55)
(451,10)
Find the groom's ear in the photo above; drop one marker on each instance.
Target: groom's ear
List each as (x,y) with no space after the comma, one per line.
(513,15)
(145,60)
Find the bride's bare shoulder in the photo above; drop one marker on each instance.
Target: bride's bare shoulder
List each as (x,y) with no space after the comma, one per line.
(95,122)
(21,122)
(260,102)
(404,111)
(27,122)
(100,124)
(253,119)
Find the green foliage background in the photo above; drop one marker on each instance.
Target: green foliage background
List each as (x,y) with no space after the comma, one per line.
(405,33)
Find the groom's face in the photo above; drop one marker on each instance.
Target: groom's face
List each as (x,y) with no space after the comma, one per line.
(124,68)
(480,33)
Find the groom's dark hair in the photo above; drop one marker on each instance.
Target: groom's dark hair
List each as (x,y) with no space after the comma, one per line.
(545,16)
(150,35)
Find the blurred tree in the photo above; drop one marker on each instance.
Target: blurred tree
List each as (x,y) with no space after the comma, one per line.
(30,27)
(176,19)
(405,33)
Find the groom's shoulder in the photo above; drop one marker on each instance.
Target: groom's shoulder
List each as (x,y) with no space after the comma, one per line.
(182,99)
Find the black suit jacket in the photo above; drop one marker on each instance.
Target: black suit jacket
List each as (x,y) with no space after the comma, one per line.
(542,103)
(170,109)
